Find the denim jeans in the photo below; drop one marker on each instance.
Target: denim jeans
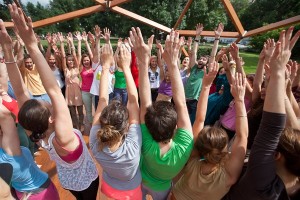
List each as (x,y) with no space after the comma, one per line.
(157,195)
(192,108)
(110,96)
(87,99)
(121,95)
(43,97)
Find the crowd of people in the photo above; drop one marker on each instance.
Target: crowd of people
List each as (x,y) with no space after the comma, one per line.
(196,129)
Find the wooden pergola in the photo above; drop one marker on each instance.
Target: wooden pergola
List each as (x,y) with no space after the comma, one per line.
(114,6)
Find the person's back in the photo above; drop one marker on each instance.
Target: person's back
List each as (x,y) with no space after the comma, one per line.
(166,129)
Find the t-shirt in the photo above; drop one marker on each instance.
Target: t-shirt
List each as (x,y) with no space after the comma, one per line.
(158,171)
(87,77)
(121,167)
(260,180)
(154,78)
(193,84)
(96,81)
(26,174)
(165,88)
(195,185)
(58,77)
(32,80)
(120,81)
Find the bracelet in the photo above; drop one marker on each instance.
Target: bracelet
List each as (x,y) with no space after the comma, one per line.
(241,116)
(217,38)
(196,40)
(10,62)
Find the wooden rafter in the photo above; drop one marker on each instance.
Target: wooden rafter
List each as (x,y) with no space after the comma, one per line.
(68,16)
(140,18)
(187,6)
(113,3)
(233,16)
(8,24)
(280,24)
(208,33)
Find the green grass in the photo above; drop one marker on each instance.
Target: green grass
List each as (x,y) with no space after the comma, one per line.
(251,60)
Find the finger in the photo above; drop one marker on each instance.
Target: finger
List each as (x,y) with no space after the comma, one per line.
(134,34)
(288,36)
(130,43)
(240,79)
(150,41)
(29,22)
(281,40)
(294,40)
(140,36)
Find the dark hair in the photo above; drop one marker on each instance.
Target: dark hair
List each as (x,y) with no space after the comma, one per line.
(289,147)
(161,120)
(113,121)
(84,56)
(34,116)
(26,56)
(210,144)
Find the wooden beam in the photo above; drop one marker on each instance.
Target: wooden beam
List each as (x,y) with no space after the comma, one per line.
(68,16)
(140,19)
(233,16)
(182,14)
(113,2)
(184,52)
(209,33)
(280,24)
(8,24)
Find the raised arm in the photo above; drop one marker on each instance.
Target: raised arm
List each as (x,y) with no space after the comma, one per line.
(106,61)
(143,53)
(208,79)
(63,123)
(193,55)
(48,51)
(14,74)
(62,49)
(235,162)
(79,54)
(123,61)
(170,55)
(96,53)
(261,167)
(218,32)
(87,45)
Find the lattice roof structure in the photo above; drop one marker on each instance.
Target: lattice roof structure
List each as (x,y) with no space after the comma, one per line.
(114,6)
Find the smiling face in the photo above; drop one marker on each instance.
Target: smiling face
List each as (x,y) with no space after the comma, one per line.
(202,61)
(86,62)
(52,61)
(186,61)
(70,61)
(153,62)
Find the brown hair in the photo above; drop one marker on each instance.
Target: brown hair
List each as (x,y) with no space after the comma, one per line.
(84,56)
(161,120)
(34,116)
(289,147)
(211,143)
(114,122)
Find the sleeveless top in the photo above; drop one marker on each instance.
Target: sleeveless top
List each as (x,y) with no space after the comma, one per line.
(195,185)
(75,176)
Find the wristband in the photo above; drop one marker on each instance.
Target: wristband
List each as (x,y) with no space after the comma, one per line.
(217,38)
(10,62)
(241,116)
(196,40)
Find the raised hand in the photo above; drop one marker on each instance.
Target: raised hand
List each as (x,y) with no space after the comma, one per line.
(199,29)
(106,35)
(172,48)
(225,62)
(84,36)
(219,30)
(294,69)
(78,35)
(269,49)
(159,46)
(189,43)
(120,42)
(60,37)
(106,56)
(238,86)
(209,76)
(5,41)
(142,50)
(127,45)
(24,29)
(283,49)
(97,31)
(124,58)
(234,51)
(70,37)
(91,37)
